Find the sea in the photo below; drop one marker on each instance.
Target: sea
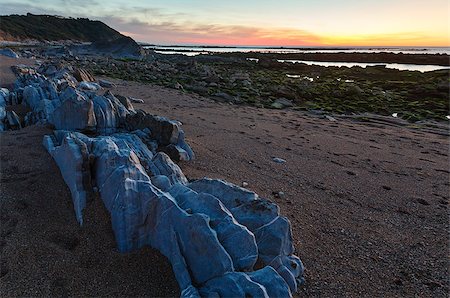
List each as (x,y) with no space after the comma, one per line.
(198,50)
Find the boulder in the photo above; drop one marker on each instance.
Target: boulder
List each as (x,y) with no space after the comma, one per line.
(72,157)
(75,112)
(32,96)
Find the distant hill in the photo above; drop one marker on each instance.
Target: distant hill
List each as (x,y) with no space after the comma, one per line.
(54,28)
(104,39)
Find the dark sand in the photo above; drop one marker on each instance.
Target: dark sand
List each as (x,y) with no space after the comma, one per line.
(7,77)
(367,202)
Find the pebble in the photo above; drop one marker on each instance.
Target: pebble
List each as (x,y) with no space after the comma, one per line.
(278,160)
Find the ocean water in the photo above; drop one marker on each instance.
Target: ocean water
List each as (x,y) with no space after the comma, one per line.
(197,50)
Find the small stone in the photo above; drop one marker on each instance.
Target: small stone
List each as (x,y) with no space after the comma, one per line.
(278,160)
(136,100)
(244,184)
(106,84)
(282,103)
(278,194)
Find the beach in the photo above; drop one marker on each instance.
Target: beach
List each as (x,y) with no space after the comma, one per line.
(367,199)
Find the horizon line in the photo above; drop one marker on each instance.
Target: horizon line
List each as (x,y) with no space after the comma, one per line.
(284,47)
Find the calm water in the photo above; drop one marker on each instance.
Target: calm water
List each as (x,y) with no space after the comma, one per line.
(193,51)
(411,67)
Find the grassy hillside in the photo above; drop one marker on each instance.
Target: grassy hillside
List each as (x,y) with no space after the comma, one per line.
(54,28)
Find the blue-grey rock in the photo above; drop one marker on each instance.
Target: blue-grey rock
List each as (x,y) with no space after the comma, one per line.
(106,84)
(74,113)
(89,86)
(13,120)
(32,97)
(233,284)
(8,53)
(212,232)
(163,165)
(105,115)
(236,238)
(72,158)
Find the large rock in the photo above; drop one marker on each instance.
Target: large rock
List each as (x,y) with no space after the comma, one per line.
(167,133)
(75,112)
(72,157)
(151,205)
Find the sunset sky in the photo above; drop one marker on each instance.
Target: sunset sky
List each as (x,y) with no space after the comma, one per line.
(261,22)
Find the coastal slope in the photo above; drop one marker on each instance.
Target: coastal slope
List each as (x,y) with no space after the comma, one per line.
(54,28)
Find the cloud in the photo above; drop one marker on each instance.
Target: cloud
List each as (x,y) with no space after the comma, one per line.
(184,32)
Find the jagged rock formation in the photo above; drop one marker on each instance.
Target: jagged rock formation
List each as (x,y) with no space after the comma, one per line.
(221,239)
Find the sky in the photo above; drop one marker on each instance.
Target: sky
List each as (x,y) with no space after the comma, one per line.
(261,22)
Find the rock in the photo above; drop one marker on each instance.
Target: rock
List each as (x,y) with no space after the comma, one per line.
(244,184)
(89,86)
(82,75)
(162,129)
(282,103)
(72,158)
(178,86)
(278,160)
(105,115)
(278,194)
(163,165)
(126,102)
(32,97)
(212,232)
(8,53)
(223,97)
(106,84)
(75,112)
(238,241)
(330,118)
(51,70)
(176,153)
(136,100)
(120,47)
(13,120)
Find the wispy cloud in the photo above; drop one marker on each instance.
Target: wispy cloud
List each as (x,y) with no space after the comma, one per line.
(169,32)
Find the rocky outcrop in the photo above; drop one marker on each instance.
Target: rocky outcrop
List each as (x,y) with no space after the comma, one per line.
(221,239)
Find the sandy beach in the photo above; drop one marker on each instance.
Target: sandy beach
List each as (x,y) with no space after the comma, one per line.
(367,202)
